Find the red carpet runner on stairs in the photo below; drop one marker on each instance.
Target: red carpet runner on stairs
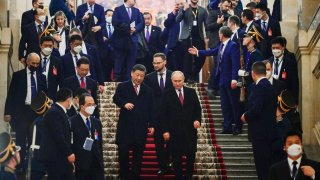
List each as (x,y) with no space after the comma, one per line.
(209,161)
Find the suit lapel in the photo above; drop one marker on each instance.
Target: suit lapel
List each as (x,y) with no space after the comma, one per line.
(124,10)
(168,79)
(83,125)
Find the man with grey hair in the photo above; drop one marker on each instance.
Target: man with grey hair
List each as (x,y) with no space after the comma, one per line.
(24,86)
(181,117)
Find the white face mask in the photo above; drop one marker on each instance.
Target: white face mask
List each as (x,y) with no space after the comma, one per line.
(77,49)
(268,75)
(294,150)
(70,104)
(90,110)
(47,51)
(108,19)
(258,15)
(277,52)
(42,18)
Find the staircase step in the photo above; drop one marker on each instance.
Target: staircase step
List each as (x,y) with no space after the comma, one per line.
(232,148)
(241,172)
(235,166)
(239,160)
(242,177)
(237,154)
(235,142)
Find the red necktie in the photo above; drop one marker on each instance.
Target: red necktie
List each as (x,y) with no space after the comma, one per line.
(180,97)
(136,89)
(82,84)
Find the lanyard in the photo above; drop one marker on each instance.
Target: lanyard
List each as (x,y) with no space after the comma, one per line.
(195,14)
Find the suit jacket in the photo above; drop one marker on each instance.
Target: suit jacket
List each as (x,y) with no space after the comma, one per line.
(69,68)
(121,23)
(72,111)
(17,93)
(98,12)
(85,158)
(27,18)
(213,28)
(178,119)
(73,83)
(239,35)
(261,113)
(55,76)
(56,136)
(29,41)
(155,43)
(230,62)
(173,30)
(278,85)
(262,45)
(281,170)
(60,5)
(291,78)
(133,124)
(152,81)
(187,18)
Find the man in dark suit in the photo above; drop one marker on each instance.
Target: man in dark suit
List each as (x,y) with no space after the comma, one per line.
(228,64)
(237,33)
(107,55)
(159,81)
(97,11)
(50,66)
(278,85)
(28,16)
(127,22)
(284,68)
(194,18)
(29,41)
(136,102)
(55,151)
(74,110)
(85,128)
(180,118)
(296,166)
(270,27)
(80,80)
(260,116)
(24,86)
(152,35)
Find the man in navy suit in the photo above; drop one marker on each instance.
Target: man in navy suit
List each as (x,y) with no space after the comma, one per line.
(159,81)
(97,11)
(55,151)
(50,66)
(127,22)
(296,166)
(28,16)
(269,26)
(136,102)
(24,86)
(152,35)
(228,64)
(260,116)
(285,68)
(237,33)
(29,41)
(89,164)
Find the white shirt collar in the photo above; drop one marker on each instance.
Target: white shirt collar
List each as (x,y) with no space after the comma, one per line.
(248,25)
(267,20)
(126,6)
(226,42)
(259,80)
(236,30)
(177,91)
(84,117)
(63,108)
(290,161)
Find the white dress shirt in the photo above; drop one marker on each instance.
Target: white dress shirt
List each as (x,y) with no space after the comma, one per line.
(138,88)
(279,67)
(145,30)
(89,9)
(164,74)
(28,98)
(84,48)
(47,65)
(62,44)
(290,161)
(178,92)
(267,21)
(248,25)
(235,33)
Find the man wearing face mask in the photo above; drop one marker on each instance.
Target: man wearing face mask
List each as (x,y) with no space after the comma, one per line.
(278,85)
(284,68)
(28,16)
(74,110)
(89,164)
(29,41)
(260,116)
(50,66)
(55,151)
(295,166)
(24,86)
(270,27)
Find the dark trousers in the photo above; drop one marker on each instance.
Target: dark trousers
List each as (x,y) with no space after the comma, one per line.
(262,152)
(22,127)
(146,61)
(94,172)
(59,170)
(230,108)
(192,64)
(177,164)
(175,58)
(125,59)
(137,153)
(213,82)
(162,149)
(107,62)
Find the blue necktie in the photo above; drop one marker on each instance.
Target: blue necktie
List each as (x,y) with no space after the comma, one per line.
(264,27)
(294,169)
(76,58)
(220,57)
(161,82)
(88,125)
(33,86)
(276,67)
(44,66)
(109,31)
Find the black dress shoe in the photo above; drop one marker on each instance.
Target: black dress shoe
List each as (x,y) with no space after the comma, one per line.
(237,132)
(225,132)
(161,172)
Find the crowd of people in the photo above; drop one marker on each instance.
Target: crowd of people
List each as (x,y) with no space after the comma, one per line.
(69,56)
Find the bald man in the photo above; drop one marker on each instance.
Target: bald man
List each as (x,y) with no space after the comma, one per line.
(181,117)
(25,84)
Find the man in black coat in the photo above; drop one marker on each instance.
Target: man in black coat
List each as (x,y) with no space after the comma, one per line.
(24,86)
(74,110)
(278,85)
(28,16)
(136,102)
(181,117)
(295,166)
(50,66)
(159,81)
(260,116)
(55,151)
(89,164)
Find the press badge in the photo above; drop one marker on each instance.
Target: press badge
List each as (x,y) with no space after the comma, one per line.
(194,23)
(88,144)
